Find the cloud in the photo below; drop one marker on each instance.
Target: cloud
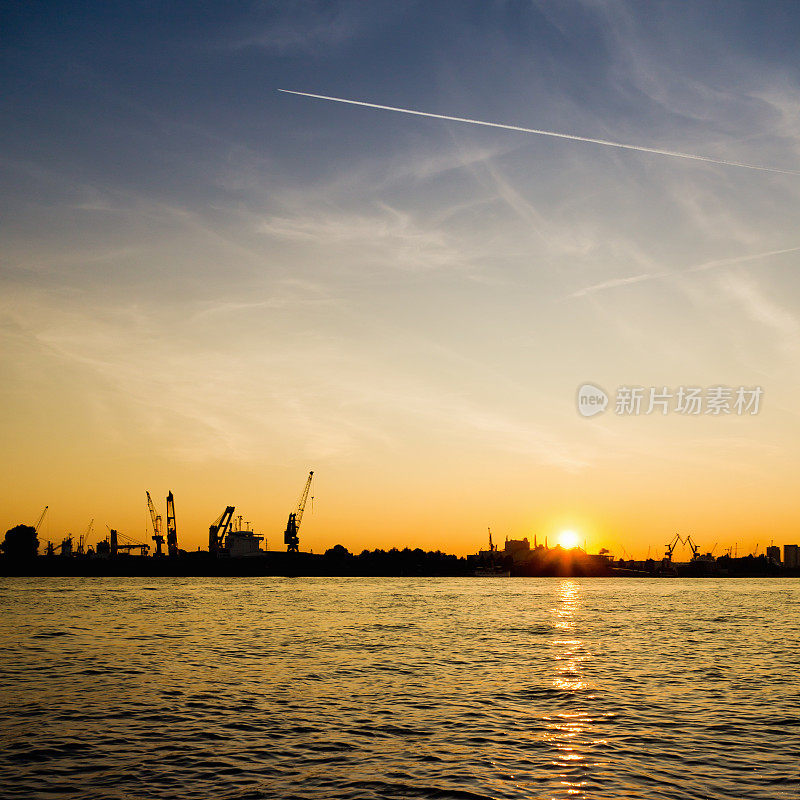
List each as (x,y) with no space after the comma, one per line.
(193,397)
(716,263)
(613,283)
(386,237)
(314,27)
(763,310)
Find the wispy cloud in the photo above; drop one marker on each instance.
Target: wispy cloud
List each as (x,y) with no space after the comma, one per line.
(716,263)
(311,26)
(313,394)
(388,237)
(763,310)
(613,283)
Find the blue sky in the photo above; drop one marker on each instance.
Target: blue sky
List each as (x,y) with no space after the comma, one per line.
(198,270)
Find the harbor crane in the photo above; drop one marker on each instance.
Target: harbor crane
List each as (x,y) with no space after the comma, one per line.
(158,536)
(696,556)
(172,531)
(128,545)
(111,546)
(83,540)
(671,547)
(41,519)
(290,537)
(695,549)
(217,531)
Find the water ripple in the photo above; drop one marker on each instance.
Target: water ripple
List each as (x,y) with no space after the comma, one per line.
(386,688)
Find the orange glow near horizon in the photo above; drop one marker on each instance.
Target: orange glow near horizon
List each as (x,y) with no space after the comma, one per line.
(434,505)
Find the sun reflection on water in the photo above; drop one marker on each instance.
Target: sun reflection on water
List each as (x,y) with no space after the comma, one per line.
(569,651)
(568,731)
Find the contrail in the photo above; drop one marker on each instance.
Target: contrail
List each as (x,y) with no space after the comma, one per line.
(604,142)
(654,276)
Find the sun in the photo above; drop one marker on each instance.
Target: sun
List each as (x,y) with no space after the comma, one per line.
(568,539)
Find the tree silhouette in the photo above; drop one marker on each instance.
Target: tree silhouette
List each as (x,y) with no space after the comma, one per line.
(21,542)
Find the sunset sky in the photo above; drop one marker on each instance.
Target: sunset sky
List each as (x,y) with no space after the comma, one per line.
(212,287)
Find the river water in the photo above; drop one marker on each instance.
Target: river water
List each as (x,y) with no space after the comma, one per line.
(407,687)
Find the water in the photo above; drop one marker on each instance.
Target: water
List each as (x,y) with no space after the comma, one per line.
(379,688)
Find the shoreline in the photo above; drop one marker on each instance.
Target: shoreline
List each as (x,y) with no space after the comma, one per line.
(281,564)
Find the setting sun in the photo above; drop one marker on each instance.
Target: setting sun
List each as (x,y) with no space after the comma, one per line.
(568,539)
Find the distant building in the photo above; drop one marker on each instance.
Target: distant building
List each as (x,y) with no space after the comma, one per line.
(518,549)
(791,555)
(774,553)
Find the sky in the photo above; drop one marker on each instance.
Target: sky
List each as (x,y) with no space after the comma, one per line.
(213,287)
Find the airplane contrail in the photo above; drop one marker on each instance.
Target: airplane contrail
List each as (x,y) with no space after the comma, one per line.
(519,129)
(653,276)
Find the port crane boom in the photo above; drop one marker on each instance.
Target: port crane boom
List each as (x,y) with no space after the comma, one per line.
(217,531)
(695,549)
(114,546)
(290,537)
(41,519)
(172,530)
(671,547)
(83,541)
(158,537)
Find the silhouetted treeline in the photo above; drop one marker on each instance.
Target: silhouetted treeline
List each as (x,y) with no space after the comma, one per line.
(20,542)
(337,561)
(395,562)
